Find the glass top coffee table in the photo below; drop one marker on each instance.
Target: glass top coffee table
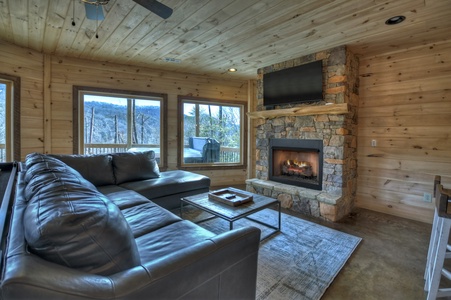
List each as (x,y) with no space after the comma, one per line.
(233,213)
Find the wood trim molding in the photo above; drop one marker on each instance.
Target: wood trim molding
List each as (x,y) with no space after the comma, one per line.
(76,90)
(181,165)
(47,103)
(331,109)
(15,117)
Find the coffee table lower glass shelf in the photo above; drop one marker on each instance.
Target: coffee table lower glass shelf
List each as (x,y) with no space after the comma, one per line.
(234,213)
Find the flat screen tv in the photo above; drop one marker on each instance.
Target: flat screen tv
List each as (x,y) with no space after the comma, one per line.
(302,83)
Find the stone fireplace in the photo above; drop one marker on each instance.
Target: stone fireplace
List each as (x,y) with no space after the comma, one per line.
(331,123)
(296,162)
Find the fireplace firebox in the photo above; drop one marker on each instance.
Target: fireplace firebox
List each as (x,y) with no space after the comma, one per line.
(296,162)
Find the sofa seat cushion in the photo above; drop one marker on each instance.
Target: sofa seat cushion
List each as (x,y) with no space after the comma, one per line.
(169,183)
(180,235)
(124,198)
(141,214)
(148,217)
(97,169)
(73,224)
(132,166)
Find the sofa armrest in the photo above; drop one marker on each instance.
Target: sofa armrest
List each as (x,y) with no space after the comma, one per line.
(225,264)
(30,277)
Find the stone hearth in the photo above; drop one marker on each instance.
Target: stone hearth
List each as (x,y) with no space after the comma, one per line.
(337,131)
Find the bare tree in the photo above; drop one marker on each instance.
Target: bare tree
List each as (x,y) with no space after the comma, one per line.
(143,121)
(135,133)
(91,130)
(211,120)
(116,130)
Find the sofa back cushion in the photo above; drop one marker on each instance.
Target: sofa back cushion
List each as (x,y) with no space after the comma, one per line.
(97,169)
(67,221)
(133,166)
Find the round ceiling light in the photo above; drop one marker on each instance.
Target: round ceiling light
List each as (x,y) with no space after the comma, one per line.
(395,20)
(232,69)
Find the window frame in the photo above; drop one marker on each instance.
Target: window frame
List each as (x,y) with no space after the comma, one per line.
(78,114)
(12,139)
(180,133)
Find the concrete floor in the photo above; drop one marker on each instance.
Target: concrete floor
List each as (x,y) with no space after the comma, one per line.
(389,263)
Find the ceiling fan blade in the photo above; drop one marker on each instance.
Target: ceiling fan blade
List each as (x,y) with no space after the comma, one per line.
(94,12)
(156,7)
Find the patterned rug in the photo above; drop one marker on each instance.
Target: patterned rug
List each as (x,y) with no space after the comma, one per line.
(300,262)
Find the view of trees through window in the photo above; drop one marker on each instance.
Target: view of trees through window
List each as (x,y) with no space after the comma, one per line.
(113,122)
(218,123)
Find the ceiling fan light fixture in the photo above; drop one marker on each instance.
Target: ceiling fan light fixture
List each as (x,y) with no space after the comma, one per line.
(94,11)
(395,20)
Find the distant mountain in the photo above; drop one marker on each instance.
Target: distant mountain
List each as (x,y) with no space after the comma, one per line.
(106,123)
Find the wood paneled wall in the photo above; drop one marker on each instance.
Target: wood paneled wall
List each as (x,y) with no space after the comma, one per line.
(405,106)
(47,81)
(28,65)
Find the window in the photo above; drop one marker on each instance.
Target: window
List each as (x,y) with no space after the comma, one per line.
(9,118)
(211,133)
(119,121)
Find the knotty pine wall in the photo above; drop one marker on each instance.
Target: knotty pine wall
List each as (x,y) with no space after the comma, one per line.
(46,98)
(405,105)
(28,65)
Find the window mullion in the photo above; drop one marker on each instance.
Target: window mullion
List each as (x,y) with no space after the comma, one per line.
(129,123)
(197,120)
(9,127)
(8,120)
(81,130)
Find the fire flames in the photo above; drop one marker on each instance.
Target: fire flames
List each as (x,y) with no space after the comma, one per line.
(297,168)
(297,163)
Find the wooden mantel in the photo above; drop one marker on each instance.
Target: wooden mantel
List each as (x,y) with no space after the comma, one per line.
(331,109)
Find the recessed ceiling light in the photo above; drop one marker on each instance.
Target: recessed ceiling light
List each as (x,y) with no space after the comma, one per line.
(232,69)
(395,20)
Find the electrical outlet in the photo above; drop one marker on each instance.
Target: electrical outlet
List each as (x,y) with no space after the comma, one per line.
(373,143)
(427,197)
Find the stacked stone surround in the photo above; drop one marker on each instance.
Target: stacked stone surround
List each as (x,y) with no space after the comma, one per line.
(338,132)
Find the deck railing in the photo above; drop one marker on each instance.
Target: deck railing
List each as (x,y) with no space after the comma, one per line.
(104,148)
(226,154)
(229,155)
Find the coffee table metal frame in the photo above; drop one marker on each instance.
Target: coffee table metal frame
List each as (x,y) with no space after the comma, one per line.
(234,213)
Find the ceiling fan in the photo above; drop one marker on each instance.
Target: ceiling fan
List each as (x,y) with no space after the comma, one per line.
(93,12)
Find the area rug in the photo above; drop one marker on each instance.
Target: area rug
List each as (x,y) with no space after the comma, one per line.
(300,262)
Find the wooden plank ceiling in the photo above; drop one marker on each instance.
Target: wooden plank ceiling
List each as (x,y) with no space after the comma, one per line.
(209,36)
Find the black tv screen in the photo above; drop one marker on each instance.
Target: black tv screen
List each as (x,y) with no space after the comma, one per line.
(302,83)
